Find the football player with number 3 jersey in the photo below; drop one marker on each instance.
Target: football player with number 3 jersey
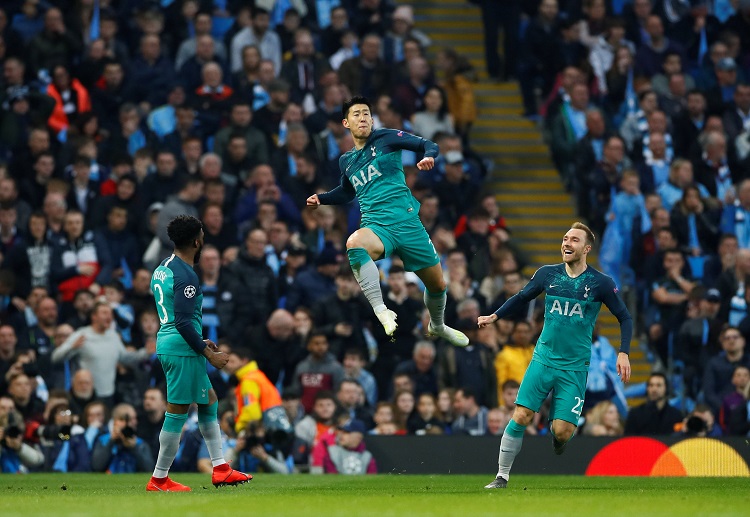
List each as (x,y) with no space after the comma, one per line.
(183,354)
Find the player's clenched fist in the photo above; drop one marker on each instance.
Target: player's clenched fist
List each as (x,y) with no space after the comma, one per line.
(425,164)
(217,359)
(313,200)
(483,321)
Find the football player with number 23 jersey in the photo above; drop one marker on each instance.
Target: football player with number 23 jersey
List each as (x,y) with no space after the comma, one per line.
(574,295)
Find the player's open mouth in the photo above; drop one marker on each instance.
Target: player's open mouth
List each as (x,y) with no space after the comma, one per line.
(567,252)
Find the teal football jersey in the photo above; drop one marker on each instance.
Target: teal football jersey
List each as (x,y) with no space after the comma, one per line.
(571,307)
(375,175)
(178,296)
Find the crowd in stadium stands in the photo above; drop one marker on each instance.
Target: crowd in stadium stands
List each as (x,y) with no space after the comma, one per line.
(115,116)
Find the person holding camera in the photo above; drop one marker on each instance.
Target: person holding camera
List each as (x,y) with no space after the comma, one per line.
(700,423)
(120,450)
(63,443)
(258,452)
(15,455)
(21,390)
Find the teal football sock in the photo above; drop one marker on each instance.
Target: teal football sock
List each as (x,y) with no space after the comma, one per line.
(510,446)
(209,428)
(368,277)
(435,303)
(169,443)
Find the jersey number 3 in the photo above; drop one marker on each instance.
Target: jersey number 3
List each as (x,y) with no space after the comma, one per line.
(160,305)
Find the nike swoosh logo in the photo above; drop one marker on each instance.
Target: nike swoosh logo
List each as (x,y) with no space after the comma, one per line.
(503,450)
(553,285)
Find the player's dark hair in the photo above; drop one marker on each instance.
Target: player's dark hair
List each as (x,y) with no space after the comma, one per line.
(590,238)
(357,99)
(183,230)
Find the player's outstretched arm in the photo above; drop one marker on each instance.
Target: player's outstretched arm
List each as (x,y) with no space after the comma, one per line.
(534,288)
(483,321)
(340,195)
(397,139)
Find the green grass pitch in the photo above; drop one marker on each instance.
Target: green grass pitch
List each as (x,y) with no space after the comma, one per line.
(382,496)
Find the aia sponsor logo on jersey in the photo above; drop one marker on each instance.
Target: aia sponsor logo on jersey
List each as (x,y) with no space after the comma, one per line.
(361,179)
(567,309)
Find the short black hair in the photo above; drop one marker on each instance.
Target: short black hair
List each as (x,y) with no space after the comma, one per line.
(468,392)
(396,269)
(315,332)
(357,99)
(183,230)
(116,285)
(243,353)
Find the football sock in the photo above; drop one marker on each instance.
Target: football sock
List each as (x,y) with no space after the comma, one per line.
(510,446)
(435,303)
(209,427)
(368,276)
(169,443)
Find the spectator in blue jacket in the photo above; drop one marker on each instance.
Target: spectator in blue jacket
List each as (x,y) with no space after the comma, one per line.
(120,450)
(64,444)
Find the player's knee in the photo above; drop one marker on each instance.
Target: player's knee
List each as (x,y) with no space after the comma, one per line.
(563,430)
(523,415)
(438,285)
(357,257)
(355,240)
